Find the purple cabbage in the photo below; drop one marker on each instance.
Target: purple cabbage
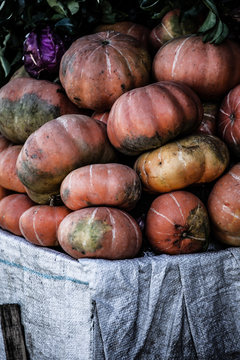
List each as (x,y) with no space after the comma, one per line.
(43,50)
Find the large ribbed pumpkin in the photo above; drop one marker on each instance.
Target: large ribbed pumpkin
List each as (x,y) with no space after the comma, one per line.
(27,103)
(100,67)
(195,159)
(39,224)
(224,207)
(211,70)
(150,116)
(100,232)
(177,223)
(109,184)
(58,147)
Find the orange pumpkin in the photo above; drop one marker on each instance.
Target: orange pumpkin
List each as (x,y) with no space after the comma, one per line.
(195,159)
(8,174)
(39,224)
(150,116)
(100,67)
(177,223)
(100,232)
(58,147)
(11,208)
(224,207)
(101,184)
(211,70)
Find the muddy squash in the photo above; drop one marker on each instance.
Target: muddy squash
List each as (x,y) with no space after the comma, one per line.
(100,232)
(27,103)
(60,146)
(148,117)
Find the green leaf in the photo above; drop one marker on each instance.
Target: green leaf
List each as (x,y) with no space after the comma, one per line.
(209,22)
(223,35)
(57,6)
(159,15)
(149,5)
(218,32)
(211,5)
(73,7)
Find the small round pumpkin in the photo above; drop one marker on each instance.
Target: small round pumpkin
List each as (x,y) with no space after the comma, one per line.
(100,67)
(39,224)
(210,70)
(195,159)
(58,147)
(138,31)
(109,184)
(100,232)
(11,208)
(8,174)
(224,207)
(228,124)
(177,223)
(149,116)
(27,103)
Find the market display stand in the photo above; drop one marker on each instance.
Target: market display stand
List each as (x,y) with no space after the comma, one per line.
(162,307)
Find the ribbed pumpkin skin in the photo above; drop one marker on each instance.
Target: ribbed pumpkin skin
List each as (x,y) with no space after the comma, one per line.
(177,223)
(11,208)
(210,70)
(60,146)
(27,103)
(8,174)
(100,67)
(228,124)
(223,207)
(101,184)
(100,232)
(195,159)
(150,116)
(138,31)
(39,224)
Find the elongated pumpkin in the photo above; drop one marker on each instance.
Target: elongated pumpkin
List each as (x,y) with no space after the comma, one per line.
(39,224)
(100,232)
(109,184)
(11,208)
(195,159)
(150,116)
(27,103)
(60,146)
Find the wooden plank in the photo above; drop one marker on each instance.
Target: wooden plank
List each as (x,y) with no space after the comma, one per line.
(12,330)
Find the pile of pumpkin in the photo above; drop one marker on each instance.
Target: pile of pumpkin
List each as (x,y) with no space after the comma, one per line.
(129,120)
